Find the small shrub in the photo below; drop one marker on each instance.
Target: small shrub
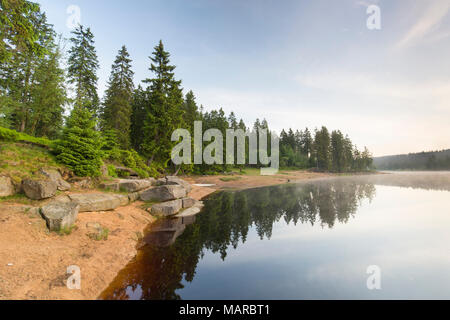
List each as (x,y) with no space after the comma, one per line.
(112,171)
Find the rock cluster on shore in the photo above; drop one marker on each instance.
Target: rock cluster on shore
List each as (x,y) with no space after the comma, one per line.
(168,194)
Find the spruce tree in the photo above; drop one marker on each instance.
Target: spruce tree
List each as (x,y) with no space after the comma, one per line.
(322,149)
(117,106)
(83,66)
(191,113)
(79,148)
(165,109)
(139,111)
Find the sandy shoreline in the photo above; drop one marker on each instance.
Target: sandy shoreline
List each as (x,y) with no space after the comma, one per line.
(34,262)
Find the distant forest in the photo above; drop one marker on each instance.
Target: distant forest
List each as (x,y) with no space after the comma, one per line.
(433,160)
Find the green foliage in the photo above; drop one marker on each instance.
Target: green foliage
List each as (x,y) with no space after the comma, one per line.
(112,171)
(79,146)
(32,84)
(117,107)
(100,235)
(65,231)
(17,30)
(14,136)
(164,113)
(83,66)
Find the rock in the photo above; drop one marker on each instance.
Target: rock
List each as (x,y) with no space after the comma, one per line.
(96,231)
(163,193)
(161,182)
(152,181)
(60,215)
(172,180)
(124,200)
(169,208)
(133,196)
(56,177)
(39,189)
(90,202)
(189,212)
(83,183)
(110,186)
(189,202)
(6,187)
(134,185)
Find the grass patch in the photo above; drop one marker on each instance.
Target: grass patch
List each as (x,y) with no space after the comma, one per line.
(101,235)
(228,179)
(19,161)
(67,230)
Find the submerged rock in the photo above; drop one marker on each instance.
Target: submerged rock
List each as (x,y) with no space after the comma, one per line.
(60,215)
(39,189)
(163,193)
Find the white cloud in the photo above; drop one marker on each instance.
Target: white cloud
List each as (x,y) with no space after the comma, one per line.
(429,21)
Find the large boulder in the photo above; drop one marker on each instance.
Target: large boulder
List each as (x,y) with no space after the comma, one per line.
(60,215)
(169,208)
(6,187)
(39,189)
(127,185)
(134,185)
(173,180)
(163,193)
(191,211)
(189,202)
(56,177)
(91,202)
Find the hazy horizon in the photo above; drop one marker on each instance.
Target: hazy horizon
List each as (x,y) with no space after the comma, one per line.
(295,63)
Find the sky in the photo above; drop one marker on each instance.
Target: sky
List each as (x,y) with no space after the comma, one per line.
(297,63)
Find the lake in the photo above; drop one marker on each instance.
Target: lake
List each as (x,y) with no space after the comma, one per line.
(324,239)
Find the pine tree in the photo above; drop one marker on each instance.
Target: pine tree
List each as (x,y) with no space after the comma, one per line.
(191,112)
(83,66)
(139,111)
(322,149)
(79,148)
(32,84)
(165,109)
(17,28)
(117,106)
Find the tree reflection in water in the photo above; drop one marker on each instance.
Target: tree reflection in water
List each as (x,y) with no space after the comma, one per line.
(175,246)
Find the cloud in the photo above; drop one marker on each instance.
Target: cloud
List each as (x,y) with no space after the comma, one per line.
(426,24)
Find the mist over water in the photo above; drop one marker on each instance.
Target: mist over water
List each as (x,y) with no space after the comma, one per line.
(311,240)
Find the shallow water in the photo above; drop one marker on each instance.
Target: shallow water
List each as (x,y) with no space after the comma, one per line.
(312,240)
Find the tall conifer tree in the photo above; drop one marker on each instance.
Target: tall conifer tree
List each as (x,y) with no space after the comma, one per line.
(164,113)
(117,106)
(83,66)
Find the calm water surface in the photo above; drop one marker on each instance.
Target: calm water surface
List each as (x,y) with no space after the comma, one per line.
(313,240)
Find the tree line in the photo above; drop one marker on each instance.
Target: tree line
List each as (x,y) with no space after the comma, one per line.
(129,125)
(432,160)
